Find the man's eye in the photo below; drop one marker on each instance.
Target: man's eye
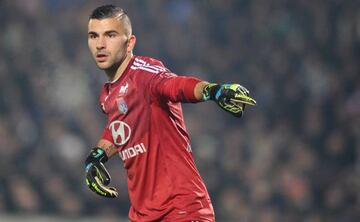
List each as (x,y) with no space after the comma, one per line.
(92,36)
(112,35)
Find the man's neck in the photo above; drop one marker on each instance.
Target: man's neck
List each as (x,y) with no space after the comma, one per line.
(115,75)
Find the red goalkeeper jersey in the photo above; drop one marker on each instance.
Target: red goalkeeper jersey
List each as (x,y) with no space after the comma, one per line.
(146,124)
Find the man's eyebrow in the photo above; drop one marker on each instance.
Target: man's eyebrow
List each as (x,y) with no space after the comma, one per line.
(92,33)
(111,31)
(106,32)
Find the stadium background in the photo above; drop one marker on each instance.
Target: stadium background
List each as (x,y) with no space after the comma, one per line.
(294,157)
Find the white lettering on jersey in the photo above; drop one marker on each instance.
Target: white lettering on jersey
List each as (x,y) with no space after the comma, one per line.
(132,151)
(120,131)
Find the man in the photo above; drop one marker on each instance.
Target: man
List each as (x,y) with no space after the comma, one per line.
(146,126)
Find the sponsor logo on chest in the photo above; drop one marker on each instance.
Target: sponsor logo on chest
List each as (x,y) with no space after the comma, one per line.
(123,89)
(121,133)
(132,151)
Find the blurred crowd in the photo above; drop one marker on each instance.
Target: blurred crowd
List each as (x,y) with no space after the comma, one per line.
(293,157)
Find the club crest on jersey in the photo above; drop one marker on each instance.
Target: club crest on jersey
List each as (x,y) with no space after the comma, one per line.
(120,101)
(121,104)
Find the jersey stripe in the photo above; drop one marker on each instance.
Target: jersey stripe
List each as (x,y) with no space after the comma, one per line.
(160,68)
(156,67)
(145,69)
(141,63)
(145,65)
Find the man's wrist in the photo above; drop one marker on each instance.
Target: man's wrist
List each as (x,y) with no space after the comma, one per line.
(199,89)
(96,155)
(210,90)
(109,148)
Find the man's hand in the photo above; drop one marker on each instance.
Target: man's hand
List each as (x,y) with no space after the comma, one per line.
(230,97)
(97,177)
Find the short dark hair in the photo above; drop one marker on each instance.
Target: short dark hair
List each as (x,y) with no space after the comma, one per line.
(112,11)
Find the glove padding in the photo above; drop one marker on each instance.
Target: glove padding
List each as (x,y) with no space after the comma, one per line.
(97,177)
(230,97)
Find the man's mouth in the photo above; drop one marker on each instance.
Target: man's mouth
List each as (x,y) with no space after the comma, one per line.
(101,57)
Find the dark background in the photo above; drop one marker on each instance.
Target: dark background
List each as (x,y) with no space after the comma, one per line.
(293,157)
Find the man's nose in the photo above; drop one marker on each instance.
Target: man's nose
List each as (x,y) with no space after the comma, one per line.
(100,44)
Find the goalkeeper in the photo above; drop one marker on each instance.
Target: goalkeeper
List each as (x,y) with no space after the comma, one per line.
(145,125)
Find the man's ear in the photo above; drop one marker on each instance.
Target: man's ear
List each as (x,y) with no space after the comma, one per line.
(131,43)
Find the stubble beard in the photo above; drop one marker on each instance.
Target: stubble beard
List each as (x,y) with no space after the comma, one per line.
(112,69)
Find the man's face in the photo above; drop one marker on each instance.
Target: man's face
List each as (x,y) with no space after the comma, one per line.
(107,42)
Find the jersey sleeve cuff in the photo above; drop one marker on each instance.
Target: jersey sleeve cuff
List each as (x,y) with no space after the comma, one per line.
(189,88)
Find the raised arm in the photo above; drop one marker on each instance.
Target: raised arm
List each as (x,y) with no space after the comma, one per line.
(230,97)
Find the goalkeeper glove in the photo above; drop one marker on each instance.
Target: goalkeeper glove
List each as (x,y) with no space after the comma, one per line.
(97,177)
(230,97)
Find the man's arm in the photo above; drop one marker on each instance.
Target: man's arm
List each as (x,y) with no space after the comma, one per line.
(230,97)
